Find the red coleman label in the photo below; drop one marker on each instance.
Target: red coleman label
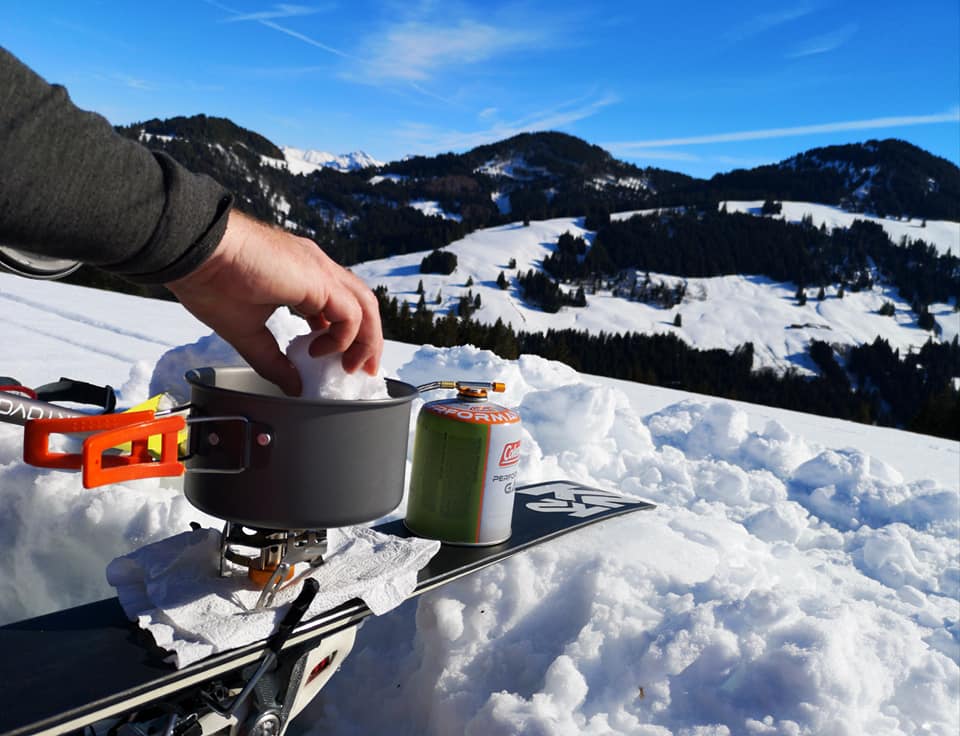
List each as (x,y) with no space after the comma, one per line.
(473,413)
(510,455)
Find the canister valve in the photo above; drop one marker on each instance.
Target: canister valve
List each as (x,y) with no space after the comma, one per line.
(463,386)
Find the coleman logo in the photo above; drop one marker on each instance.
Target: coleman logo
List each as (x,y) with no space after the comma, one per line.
(510,454)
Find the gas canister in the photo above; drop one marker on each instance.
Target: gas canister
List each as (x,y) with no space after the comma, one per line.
(466,456)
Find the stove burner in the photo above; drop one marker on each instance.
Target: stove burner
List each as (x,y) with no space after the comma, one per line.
(278,552)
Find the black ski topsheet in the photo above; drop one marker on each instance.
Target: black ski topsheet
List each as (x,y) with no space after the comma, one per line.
(66,670)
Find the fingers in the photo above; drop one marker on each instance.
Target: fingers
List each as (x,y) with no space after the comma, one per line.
(261,351)
(257,268)
(352,316)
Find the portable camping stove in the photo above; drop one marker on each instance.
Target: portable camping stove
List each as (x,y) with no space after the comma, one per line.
(278,552)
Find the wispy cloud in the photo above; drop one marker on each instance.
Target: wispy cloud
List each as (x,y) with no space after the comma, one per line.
(282,10)
(825,42)
(428,138)
(305,38)
(123,79)
(654,154)
(278,72)
(267,19)
(768,21)
(134,82)
(416,52)
(953,116)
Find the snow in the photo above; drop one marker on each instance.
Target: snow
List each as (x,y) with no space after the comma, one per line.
(433,209)
(515,167)
(800,575)
(943,235)
(502,201)
(323,377)
(720,312)
(627,182)
(300,161)
(398,178)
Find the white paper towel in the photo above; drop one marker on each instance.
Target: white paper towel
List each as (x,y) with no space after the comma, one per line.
(172,587)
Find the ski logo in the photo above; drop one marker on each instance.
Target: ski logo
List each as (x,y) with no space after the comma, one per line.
(578,501)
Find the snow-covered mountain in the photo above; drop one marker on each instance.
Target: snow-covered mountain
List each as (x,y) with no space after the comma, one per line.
(800,575)
(533,176)
(301,161)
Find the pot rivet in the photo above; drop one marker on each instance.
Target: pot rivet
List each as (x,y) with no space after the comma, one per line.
(213,438)
(264,439)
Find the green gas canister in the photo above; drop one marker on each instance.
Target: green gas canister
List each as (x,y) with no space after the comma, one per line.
(466,456)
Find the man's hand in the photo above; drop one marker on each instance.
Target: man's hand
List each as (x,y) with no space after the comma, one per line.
(257,268)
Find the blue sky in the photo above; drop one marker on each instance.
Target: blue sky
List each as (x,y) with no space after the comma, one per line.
(688,86)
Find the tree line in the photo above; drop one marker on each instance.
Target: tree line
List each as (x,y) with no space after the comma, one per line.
(878,386)
(707,243)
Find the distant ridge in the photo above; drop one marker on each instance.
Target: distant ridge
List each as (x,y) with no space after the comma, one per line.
(301,161)
(359,208)
(884,177)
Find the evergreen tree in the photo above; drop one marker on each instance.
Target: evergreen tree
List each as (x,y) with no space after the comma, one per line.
(770,208)
(822,294)
(678,320)
(469,280)
(476,302)
(925,320)
(502,281)
(439,261)
(420,287)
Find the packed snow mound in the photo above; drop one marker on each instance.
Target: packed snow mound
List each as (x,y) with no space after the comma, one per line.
(734,608)
(323,377)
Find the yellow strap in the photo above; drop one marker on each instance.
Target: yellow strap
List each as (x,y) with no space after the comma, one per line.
(155,443)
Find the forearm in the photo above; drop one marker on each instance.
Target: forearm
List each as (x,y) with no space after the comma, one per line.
(71,187)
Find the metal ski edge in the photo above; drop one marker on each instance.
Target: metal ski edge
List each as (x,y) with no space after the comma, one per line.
(332,622)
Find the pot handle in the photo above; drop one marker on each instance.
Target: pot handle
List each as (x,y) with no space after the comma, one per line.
(108,431)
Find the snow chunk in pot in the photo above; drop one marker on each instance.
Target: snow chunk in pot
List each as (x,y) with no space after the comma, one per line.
(324,377)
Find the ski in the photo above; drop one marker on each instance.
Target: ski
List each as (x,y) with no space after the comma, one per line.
(88,669)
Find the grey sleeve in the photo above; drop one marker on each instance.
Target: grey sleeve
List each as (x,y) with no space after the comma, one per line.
(72,187)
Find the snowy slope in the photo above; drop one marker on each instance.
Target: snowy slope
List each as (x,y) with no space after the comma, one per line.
(720,312)
(942,234)
(432,209)
(796,578)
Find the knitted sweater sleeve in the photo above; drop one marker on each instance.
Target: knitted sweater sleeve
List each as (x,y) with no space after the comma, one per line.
(72,187)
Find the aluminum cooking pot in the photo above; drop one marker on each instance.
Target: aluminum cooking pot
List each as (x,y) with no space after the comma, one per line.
(260,457)
(254,455)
